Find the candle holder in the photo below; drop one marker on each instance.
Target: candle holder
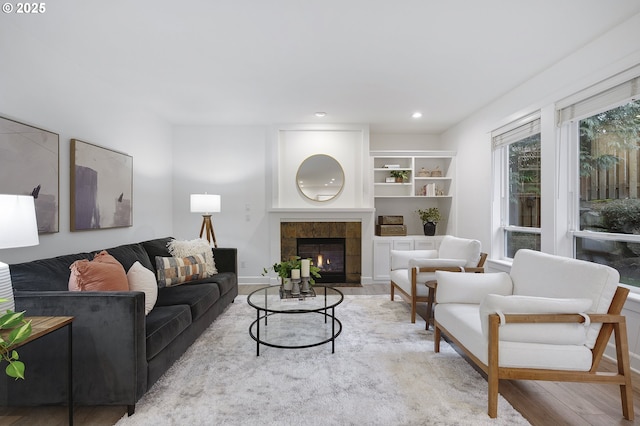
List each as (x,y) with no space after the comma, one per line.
(305,285)
(295,288)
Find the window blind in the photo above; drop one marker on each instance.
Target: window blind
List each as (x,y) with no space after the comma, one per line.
(602,101)
(516,130)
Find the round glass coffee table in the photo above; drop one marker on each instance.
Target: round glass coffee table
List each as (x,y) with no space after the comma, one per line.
(295,322)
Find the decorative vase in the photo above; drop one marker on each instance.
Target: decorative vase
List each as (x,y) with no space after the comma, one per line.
(287,284)
(429,229)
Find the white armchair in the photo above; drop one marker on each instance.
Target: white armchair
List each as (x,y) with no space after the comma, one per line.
(411,269)
(549,319)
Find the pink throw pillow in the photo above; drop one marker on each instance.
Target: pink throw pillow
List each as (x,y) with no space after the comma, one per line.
(103,273)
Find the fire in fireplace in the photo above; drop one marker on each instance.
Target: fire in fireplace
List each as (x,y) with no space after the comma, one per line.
(328,254)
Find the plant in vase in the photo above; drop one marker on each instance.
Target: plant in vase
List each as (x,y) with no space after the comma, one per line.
(20,331)
(429,217)
(400,175)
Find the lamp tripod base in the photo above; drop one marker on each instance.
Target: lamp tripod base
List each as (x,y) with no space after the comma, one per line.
(207,227)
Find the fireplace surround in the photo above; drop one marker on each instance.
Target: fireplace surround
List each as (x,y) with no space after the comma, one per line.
(351,232)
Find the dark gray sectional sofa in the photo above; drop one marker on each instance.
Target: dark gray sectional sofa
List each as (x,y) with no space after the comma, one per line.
(118,352)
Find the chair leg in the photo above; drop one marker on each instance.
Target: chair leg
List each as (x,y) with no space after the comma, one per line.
(436,338)
(622,355)
(392,291)
(493,367)
(413,311)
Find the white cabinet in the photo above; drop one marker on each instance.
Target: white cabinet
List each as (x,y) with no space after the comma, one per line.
(382,247)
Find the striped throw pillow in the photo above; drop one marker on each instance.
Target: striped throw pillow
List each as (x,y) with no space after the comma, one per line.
(173,271)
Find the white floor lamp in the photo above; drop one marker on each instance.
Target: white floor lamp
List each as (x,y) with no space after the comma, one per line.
(207,204)
(18,228)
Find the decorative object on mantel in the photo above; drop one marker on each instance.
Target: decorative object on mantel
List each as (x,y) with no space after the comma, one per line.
(18,228)
(429,217)
(400,175)
(424,172)
(207,204)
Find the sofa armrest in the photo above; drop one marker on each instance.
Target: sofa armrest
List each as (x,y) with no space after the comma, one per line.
(456,287)
(109,345)
(226,259)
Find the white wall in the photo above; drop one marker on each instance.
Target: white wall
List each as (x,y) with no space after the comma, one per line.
(232,162)
(36,90)
(404,142)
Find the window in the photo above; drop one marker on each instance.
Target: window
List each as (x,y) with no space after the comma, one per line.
(517,150)
(605,129)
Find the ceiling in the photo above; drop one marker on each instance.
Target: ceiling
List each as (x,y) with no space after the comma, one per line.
(252,62)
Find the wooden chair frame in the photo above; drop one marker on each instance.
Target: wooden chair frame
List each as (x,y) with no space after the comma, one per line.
(611,322)
(413,299)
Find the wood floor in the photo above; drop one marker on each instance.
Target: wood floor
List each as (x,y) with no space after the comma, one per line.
(541,403)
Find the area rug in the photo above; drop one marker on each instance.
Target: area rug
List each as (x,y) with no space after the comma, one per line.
(383,372)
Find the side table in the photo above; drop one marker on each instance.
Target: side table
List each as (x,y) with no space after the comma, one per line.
(432,286)
(41,326)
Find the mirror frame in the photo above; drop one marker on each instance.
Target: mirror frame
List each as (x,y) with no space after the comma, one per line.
(332,196)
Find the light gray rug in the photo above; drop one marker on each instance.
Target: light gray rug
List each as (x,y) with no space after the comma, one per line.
(383,372)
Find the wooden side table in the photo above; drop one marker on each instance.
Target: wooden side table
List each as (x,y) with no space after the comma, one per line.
(41,326)
(432,286)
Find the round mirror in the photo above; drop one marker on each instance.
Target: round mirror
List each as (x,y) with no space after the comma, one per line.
(320,178)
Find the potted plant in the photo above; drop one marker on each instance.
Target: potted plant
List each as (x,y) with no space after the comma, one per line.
(400,175)
(20,331)
(429,217)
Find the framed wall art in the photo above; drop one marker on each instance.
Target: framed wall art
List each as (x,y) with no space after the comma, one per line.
(29,165)
(101,187)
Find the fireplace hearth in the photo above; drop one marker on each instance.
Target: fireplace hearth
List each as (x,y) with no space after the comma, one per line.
(328,254)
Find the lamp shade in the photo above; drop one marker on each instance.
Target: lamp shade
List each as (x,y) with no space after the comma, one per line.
(18,225)
(205,203)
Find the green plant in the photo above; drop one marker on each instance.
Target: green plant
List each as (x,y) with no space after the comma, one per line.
(622,216)
(283,269)
(20,331)
(432,214)
(400,174)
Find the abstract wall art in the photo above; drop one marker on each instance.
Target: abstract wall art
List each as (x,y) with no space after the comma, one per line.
(101,187)
(29,165)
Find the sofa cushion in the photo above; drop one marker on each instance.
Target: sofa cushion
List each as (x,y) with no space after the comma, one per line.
(177,270)
(540,274)
(142,279)
(157,247)
(163,325)
(184,248)
(44,274)
(128,254)
(559,334)
(460,248)
(400,258)
(198,296)
(103,273)
(226,281)
(461,287)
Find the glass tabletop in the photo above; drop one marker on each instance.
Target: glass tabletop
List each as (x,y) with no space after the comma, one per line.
(269,299)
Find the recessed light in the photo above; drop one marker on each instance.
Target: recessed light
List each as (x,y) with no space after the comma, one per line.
(320,114)
(416,114)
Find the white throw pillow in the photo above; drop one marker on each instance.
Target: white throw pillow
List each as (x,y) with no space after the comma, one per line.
(558,333)
(142,279)
(185,248)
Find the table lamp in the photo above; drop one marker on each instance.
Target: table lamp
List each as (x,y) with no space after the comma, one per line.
(207,204)
(18,228)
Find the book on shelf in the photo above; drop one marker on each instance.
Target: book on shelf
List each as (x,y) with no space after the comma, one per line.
(391,166)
